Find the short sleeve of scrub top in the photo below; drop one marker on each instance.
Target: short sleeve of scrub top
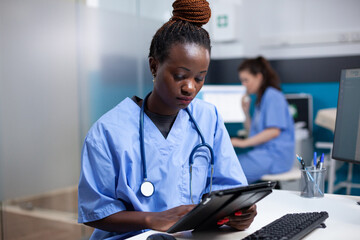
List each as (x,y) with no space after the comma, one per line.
(275,108)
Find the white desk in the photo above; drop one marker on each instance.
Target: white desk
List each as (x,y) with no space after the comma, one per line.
(343,221)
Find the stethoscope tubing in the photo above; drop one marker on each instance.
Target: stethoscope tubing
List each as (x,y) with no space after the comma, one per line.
(142,148)
(191,157)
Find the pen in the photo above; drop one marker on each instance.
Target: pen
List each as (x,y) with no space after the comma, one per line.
(301,161)
(321,160)
(318,164)
(314,160)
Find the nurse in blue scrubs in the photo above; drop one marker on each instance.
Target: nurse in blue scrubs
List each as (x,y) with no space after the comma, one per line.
(271,130)
(146,162)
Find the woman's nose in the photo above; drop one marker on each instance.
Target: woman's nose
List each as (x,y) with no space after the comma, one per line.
(188,87)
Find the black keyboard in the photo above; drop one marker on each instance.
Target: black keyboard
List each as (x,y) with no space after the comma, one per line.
(291,226)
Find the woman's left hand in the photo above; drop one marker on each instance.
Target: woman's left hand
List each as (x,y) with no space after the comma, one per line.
(241,220)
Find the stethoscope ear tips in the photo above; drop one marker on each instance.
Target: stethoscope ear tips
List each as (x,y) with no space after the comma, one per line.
(147,189)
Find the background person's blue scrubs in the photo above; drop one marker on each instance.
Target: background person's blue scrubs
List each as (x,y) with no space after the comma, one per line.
(276,155)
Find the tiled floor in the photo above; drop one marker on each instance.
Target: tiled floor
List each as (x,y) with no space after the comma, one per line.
(22,227)
(49,216)
(1,223)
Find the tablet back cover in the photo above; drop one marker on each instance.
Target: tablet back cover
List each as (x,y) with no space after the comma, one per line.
(221,204)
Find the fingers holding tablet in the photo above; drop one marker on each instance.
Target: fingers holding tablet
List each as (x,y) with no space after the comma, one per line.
(242,219)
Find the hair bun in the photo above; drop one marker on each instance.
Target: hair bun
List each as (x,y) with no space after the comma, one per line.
(197,12)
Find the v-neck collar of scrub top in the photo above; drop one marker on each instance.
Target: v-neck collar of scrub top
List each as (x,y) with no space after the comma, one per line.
(152,133)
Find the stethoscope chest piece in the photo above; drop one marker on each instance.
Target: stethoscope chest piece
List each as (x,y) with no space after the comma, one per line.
(147,189)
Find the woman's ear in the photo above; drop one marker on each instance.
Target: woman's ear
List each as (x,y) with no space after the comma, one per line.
(153,64)
(259,76)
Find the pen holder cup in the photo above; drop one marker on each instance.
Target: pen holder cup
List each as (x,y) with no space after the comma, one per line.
(312,182)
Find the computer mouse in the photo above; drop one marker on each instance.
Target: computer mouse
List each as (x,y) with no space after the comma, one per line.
(160,236)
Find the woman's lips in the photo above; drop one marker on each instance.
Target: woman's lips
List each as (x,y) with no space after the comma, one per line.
(185,100)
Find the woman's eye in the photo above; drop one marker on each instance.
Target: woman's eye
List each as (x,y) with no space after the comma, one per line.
(199,79)
(179,77)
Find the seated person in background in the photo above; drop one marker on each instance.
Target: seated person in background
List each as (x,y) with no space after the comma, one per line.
(271,131)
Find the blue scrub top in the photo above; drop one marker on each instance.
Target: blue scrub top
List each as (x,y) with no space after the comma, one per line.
(276,155)
(111,168)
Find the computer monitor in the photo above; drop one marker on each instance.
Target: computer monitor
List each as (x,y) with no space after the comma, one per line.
(346,145)
(227,99)
(301,109)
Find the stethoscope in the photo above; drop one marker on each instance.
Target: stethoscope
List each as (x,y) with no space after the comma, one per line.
(147,188)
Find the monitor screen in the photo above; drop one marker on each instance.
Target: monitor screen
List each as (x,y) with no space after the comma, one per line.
(347,127)
(227,99)
(301,109)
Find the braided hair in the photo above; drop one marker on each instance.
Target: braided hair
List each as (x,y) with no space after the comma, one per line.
(261,65)
(185,26)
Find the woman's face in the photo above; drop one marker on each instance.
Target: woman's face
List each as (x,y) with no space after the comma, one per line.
(250,81)
(179,78)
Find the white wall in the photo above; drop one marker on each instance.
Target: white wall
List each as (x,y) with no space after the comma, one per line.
(274,28)
(292,29)
(39,123)
(51,54)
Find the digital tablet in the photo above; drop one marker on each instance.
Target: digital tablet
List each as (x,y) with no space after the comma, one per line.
(220,204)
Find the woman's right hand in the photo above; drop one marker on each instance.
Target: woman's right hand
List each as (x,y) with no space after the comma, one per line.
(245,103)
(162,221)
